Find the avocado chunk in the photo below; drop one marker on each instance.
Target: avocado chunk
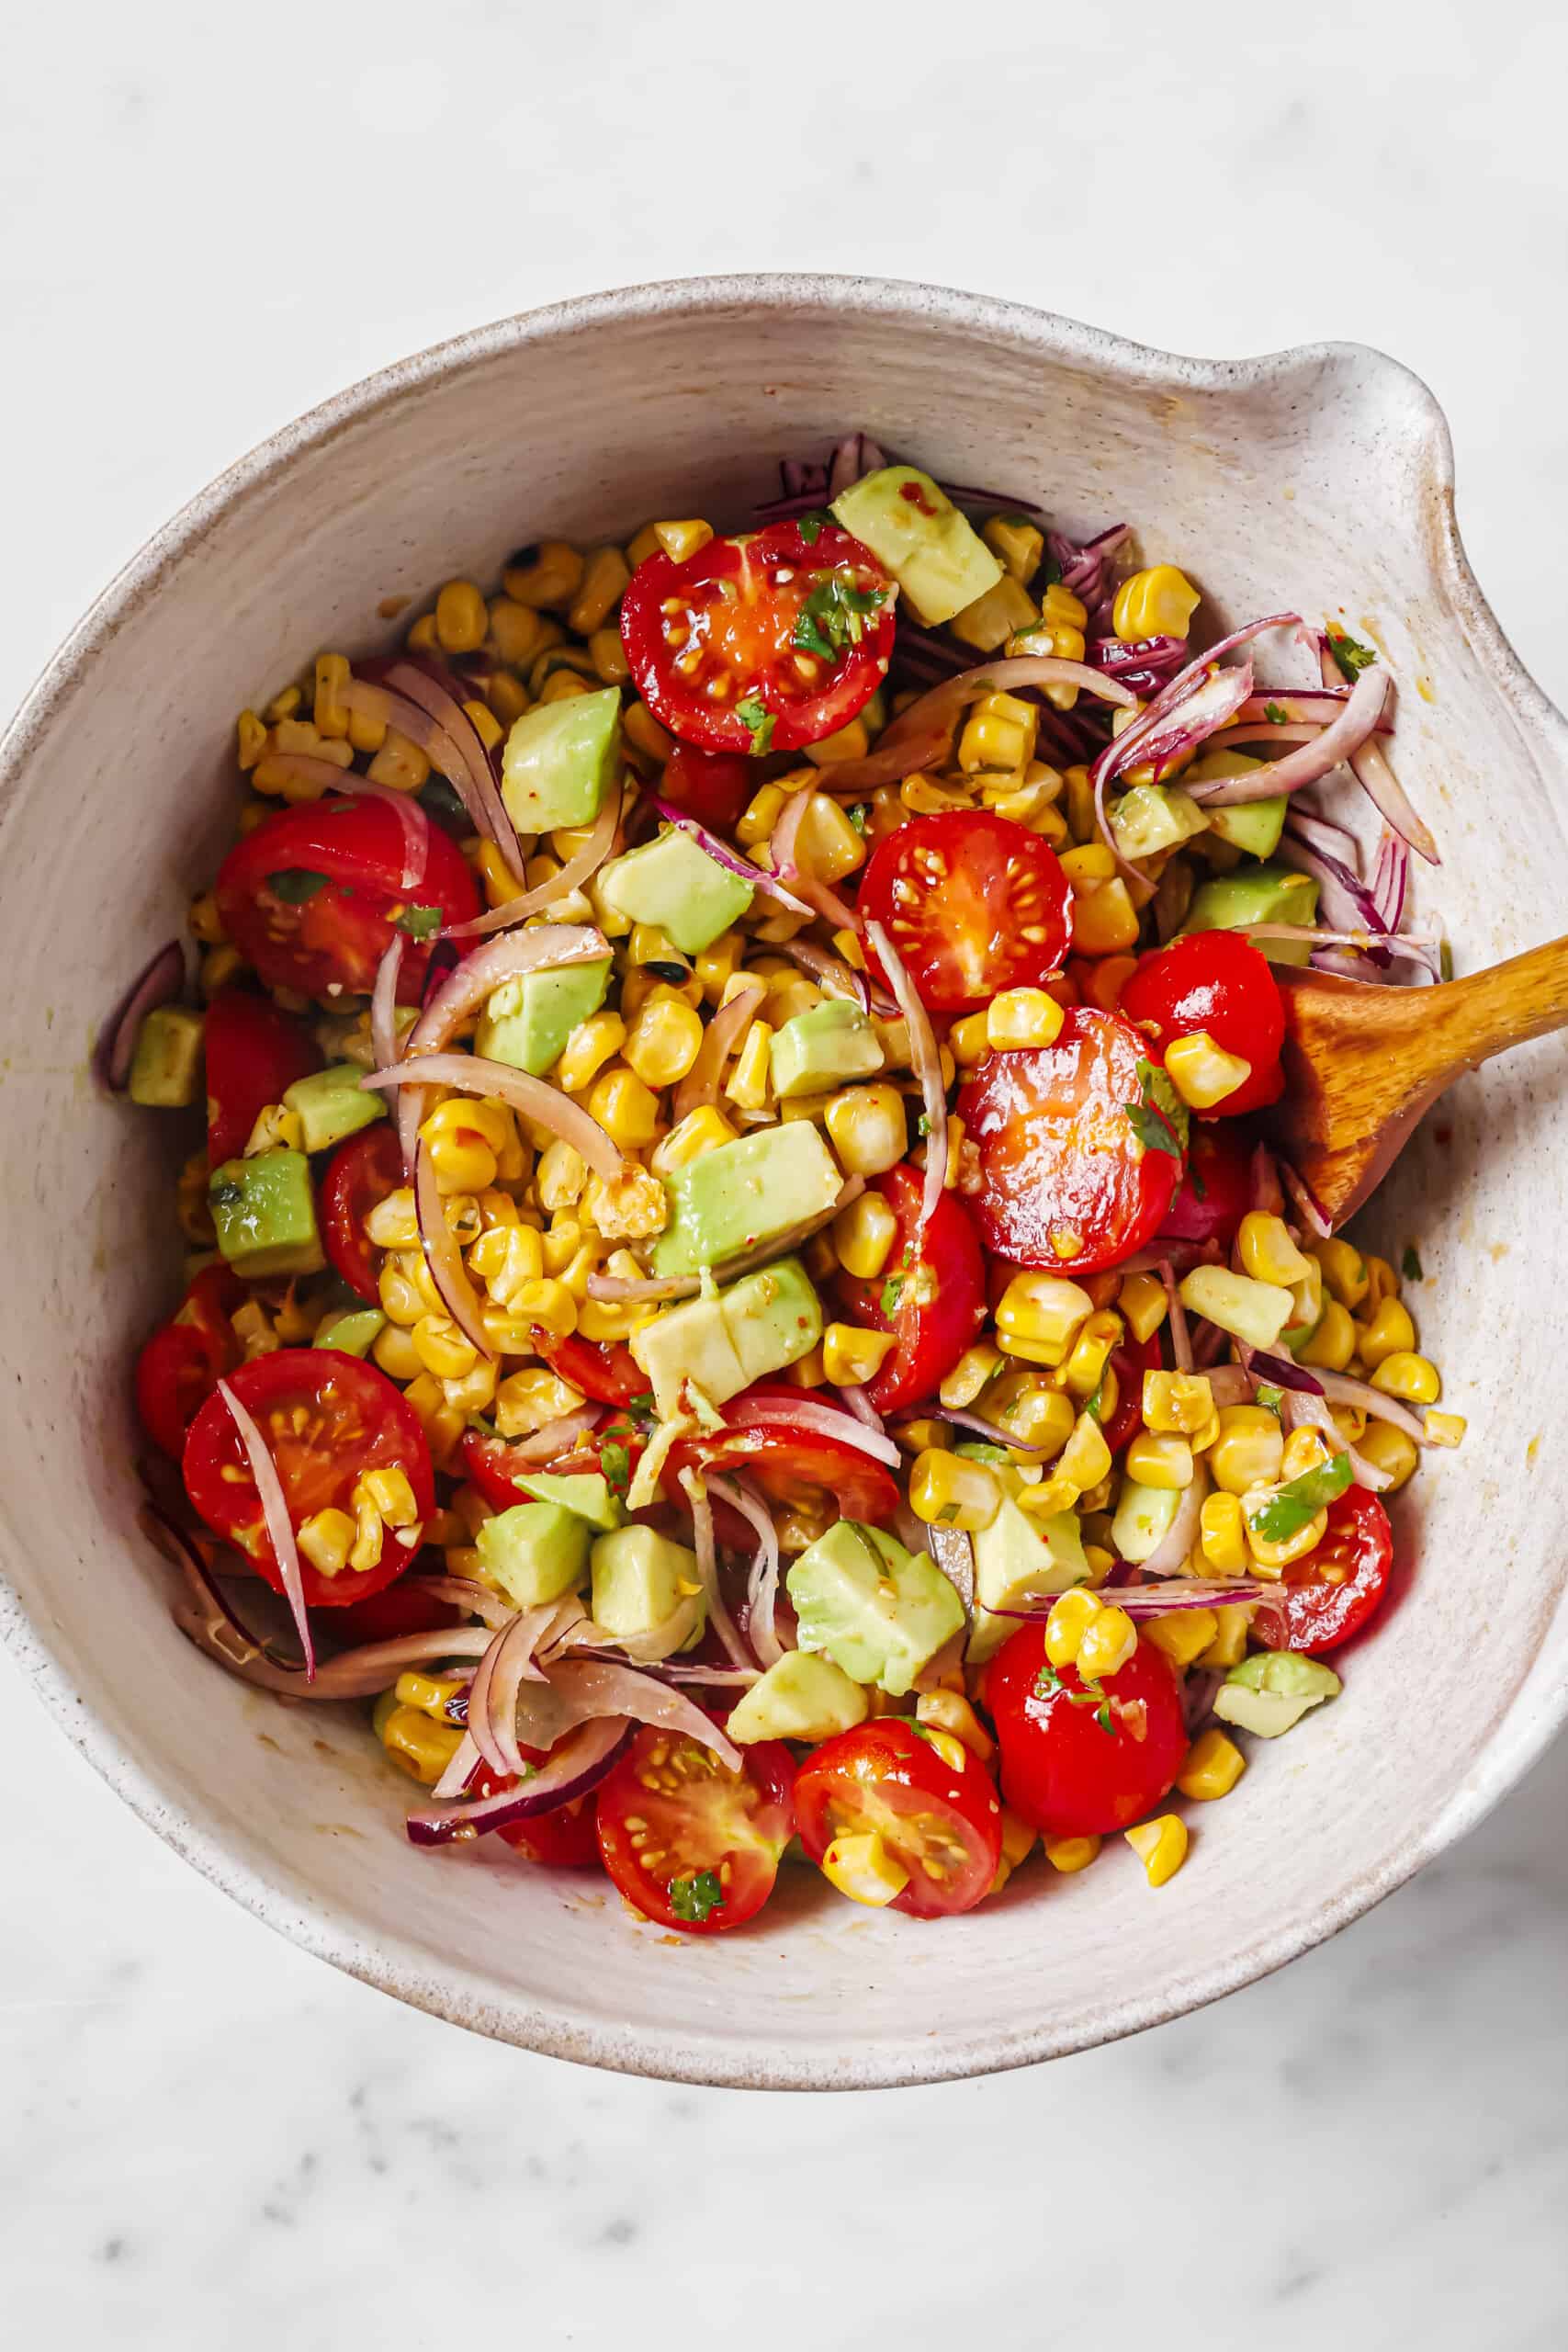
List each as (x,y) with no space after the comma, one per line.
(1269,1692)
(1254,826)
(800,1696)
(1255,1312)
(1017,1560)
(529,1020)
(558,758)
(880,1613)
(165,1070)
(1153,816)
(740,1192)
(674,884)
(916,533)
(265,1214)
(643,1581)
(535,1552)
(1142,1521)
(332,1104)
(1264,894)
(758,1324)
(827,1046)
(353,1334)
(587,1495)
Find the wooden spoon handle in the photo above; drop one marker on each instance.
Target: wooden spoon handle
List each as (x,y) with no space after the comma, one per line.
(1488,1012)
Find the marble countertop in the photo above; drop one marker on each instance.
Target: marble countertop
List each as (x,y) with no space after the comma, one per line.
(211,220)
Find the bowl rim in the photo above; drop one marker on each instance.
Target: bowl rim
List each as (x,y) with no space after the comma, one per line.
(1539,1705)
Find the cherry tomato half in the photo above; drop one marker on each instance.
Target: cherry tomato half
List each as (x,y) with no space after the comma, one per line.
(306,898)
(689,1843)
(935,1307)
(406,1607)
(566,1839)
(326,1418)
(769,626)
(1218,981)
(182,1364)
(971,903)
(712,786)
(1129,1362)
(1063,1767)
(1330,1594)
(797,1466)
(941,1823)
(360,1174)
(1215,1192)
(253,1050)
(1065,1182)
(493,1467)
(605,1370)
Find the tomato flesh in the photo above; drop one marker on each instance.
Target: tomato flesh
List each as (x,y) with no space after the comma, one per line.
(605,1370)
(800,1468)
(971,902)
(1129,1362)
(360,1174)
(1217,981)
(182,1364)
(566,1839)
(1062,1770)
(689,1842)
(1331,1593)
(941,1823)
(712,786)
(935,1305)
(307,897)
(1215,1191)
(326,1418)
(253,1051)
(762,643)
(1064,1183)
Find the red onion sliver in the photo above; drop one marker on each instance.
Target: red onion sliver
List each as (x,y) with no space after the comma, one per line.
(724,1035)
(544,1444)
(601,1689)
(806,1412)
(1341,1389)
(482,796)
(160,982)
(578,869)
(763,1585)
(279,1526)
(918,736)
(992,1432)
(1338,742)
(719,1618)
(781,841)
(578,1764)
(383,1002)
(535,1097)
(1310,1214)
(836,978)
(926,1062)
(359,1674)
(857,1402)
(459,1768)
(462,1592)
(410,815)
(1282,1372)
(1377,779)
(444,1255)
(1170,1554)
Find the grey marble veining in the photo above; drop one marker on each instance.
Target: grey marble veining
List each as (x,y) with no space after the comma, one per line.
(207,2137)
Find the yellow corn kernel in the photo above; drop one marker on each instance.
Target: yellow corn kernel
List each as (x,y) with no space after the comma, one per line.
(547,1303)
(862,1867)
(969,1375)
(1069,1854)
(327,713)
(1388,1332)
(218,966)
(624,1108)
(1040,1416)
(680,541)
(251,741)
(549,576)
(644,733)
(324,1539)
(950,1712)
(442,1425)
(1049,1498)
(1381,1282)
(422,1749)
(717,965)
(1163,1461)
(700,1130)
(1015,544)
(827,845)
(864,1234)
(1019,1840)
(398,764)
(461,619)
(1222,1534)
(605,577)
(589,1047)
(526,1401)
(1268,1252)
(429,1692)
(663,1042)
(946,1490)
(506,1258)
(442,1348)
(402,1302)
(562,1242)
(970,1038)
(1106,922)
(1040,1316)
(923,798)
(1204,1074)
(1305,1449)
(1444,1429)
(461,1153)
(1405,1374)
(759,817)
(850,742)
(1249,1450)
(1000,734)
(369,1534)
(1022,1017)
(1269,1557)
(1160,602)
(868,1129)
(852,1354)
(1085,1367)
(1184,1635)
(1213,1766)
(1085,1460)
(1072,1614)
(390,1490)
(395,1353)
(1178,1402)
(746,1085)
(1109,1641)
(1089,868)
(516,631)
(1344,1272)
(1142,1299)
(394,1222)
(1160,1846)
(645,543)
(1351,1421)
(1333,1343)
(1229,1644)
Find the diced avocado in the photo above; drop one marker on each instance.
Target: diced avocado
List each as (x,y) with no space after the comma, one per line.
(740,1192)
(673,883)
(529,1020)
(331,1104)
(1254,826)
(756,1326)
(880,1613)
(355,1333)
(1269,1692)
(1018,1559)
(535,1552)
(825,1047)
(1255,1312)
(165,1070)
(1262,894)
(587,1495)
(800,1696)
(1153,816)
(916,533)
(265,1214)
(558,758)
(641,1581)
(1142,1521)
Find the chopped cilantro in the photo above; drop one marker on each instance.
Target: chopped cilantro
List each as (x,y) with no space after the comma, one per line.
(1410,1264)
(1049,574)
(1102,1717)
(891,1290)
(977,1450)
(1095,1407)
(1273,714)
(857,813)
(759,723)
(924,1124)
(811,527)
(641,1406)
(1301,1500)
(1271,1399)
(696,1899)
(1161,1120)
(617,1464)
(420,923)
(437,800)
(294,884)
(1349,659)
(834,615)
(1047,1682)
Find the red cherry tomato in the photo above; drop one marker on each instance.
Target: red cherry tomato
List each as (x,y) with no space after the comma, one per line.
(403,1608)
(1218,981)
(797,1466)
(1330,1593)
(181,1364)
(712,786)
(360,1174)
(566,1839)
(941,1823)
(253,1051)
(306,898)
(765,627)
(936,1305)
(326,1418)
(605,1370)
(1065,1182)
(971,903)
(1129,1362)
(1215,1192)
(689,1843)
(492,1466)
(1061,1769)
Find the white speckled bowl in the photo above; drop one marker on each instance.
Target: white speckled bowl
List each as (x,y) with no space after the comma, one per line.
(1320,478)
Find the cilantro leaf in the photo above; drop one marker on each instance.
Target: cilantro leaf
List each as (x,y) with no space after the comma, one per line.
(759,723)
(811,527)
(1047,1682)
(294,884)
(1095,1407)
(420,923)
(857,813)
(616,1465)
(1349,657)
(891,1290)
(1270,1398)
(696,1899)
(1102,1717)
(1301,1500)
(1161,1120)
(833,616)
(1273,714)
(1410,1264)
(1049,574)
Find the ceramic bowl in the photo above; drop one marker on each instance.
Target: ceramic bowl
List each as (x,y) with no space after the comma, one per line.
(1320,478)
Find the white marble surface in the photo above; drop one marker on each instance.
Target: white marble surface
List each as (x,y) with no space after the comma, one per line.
(210,217)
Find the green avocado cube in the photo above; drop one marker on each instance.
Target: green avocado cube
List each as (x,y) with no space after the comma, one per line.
(800,1696)
(353,1334)
(674,884)
(529,1020)
(559,757)
(758,1325)
(1269,1692)
(1019,1560)
(265,1212)
(1259,894)
(165,1070)
(915,531)
(830,1045)
(643,1581)
(333,1104)
(535,1552)
(587,1495)
(1142,1521)
(740,1192)
(880,1613)
(1254,826)
(1153,816)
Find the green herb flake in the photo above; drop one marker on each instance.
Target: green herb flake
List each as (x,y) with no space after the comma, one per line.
(1049,574)
(1410,1264)
(1349,657)
(696,1899)
(1161,1120)
(1047,1682)
(891,1291)
(615,1464)
(1270,1400)
(1095,1407)
(977,1450)
(857,812)
(420,923)
(1102,1717)
(294,884)
(1301,1500)
(834,615)
(1273,714)
(924,1124)
(811,527)
(759,724)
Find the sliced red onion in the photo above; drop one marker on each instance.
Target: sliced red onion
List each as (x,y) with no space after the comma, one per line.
(927,1059)
(856,456)
(279,1526)
(1229,1383)
(222,1632)
(1170,1554)
(836,978)
(1391,879)
(1321,833)
(496,1689)
(1299,1411)
(615,1287)
(448,751)
(578,869)
(1186,1592)
(463,1592)
(1377,779)
(1281,1371)
(857,1402)
(599,1688)
(824,900)
(160,982)
(1181,1344)
(1311,1216)
(723,1036)
(921,650)
(1265,1191)
(992,1432)
(1341,1389)
(549,946)
(410,815)
(806,1412)
(1082,566)
(731,860)
(1182,1253)
(423,682)
(1376,947)
(783,840)
(383,1002)
(918,736)
(554,1439)
(356,1674)
(719,1618)
(535,1097)
(1133,660)
(762,1589)
(444,1255)
(579,1763)
(459,1770)
(1339,741)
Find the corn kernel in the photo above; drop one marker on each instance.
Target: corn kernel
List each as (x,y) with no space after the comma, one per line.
(1109,1641)
(1388,1332)
(970,1039)
(1017,545)
(442,1348)
(853,1355)
(324,1539)
(868,1129)
(1086,1457)
(850,742)
(950,1712)
(422,1749)
(1213,1766)
(1085,1367)
(947,1490)
(1222,1534)
(1000,735)
(394,1352)
(1381,1282)
(1072,1614)
(1038,1316)
(1022,1017)
(1089,868)
(1160,1846)
(625,1107)
(1039,1416)
(1443,1429)
(528,1401)
(862,1868)
(1049,1498)
(1344,1272)
(390,1490)
(1184,1635)
(1142,1299)
(680,541)
(1204,1074)
(399,764)
(1268,1252)
(1249,1450)
(1405,1374)
(663,1042)
(1229,1644)
(1161,1461)
(969,1375)
(1178,1402)
(429,1692)
(548,577)
(461,1152)
(1106,922)
(1069,1854)
(1160,602)
(827,845)
(1333,1343)
(590,1046)
(748,1084)
(1269,1557)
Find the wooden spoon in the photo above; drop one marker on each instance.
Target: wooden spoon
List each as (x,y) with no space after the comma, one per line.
(1362,1063)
